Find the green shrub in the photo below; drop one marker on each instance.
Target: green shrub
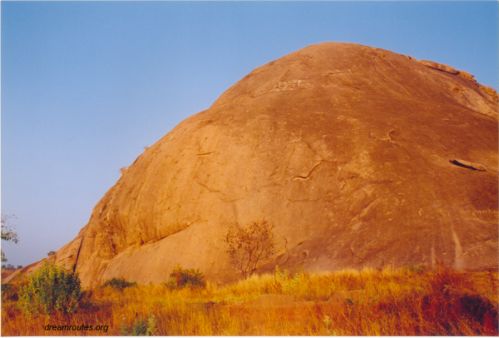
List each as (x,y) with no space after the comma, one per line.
(181,278)
(119,283)
(50,289)
(140,327)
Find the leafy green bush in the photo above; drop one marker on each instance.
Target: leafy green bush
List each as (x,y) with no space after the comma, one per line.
(119,283)
(50,289)
(181,278)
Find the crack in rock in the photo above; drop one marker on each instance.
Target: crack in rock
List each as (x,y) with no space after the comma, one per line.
(468,165)
(208,188)
(310,172)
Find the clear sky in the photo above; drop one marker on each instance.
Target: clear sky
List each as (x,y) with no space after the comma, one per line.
(87,85)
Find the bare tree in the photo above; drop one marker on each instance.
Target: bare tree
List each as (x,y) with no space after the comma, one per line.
(250,246)
(7,234)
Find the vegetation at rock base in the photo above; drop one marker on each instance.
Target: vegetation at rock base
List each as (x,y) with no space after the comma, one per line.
(248,247)
(118,283)
(48,290)
(405,301)
(182,278)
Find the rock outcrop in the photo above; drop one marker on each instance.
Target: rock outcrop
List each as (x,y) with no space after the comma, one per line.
(346,150)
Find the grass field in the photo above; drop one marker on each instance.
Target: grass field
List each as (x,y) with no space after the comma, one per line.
(406,301)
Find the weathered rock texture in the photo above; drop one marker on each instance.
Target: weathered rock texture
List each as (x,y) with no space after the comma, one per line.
(347,150)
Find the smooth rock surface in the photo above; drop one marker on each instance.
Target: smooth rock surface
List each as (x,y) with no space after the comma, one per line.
(345,149)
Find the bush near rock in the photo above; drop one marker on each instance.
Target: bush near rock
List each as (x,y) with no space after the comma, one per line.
(118,283)
(181,278)
(50,289)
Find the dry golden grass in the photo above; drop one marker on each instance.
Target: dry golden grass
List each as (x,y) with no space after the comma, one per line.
(368,302)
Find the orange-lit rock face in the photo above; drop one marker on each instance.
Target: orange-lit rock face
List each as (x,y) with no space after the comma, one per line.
(347,150)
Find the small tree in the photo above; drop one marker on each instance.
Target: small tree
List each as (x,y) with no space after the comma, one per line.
(248,247)
(7,235)
(50,289)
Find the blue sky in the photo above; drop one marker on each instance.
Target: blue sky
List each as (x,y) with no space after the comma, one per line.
(87,85)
